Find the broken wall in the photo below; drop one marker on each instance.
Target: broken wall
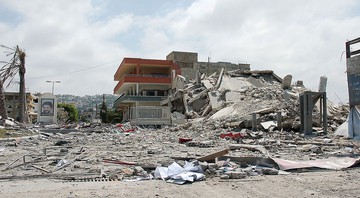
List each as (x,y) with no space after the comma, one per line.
(186,61)
(183,59)
(209,67)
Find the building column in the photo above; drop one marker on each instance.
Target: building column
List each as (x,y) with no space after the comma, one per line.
(137,89)
(137,69)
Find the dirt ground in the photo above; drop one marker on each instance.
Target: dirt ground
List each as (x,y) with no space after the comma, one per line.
(317,183)
(29,165)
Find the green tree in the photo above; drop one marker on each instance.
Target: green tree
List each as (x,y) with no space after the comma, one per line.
(73,114)
(108,115)
(104,113)
(114,116)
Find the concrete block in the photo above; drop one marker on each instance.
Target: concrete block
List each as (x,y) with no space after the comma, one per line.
(215,101)
(270,171)
(287,82)
(322,84)
(224,176)
(300,83)
(138,169)
(238,175)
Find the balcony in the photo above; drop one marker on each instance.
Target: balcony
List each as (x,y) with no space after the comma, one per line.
(129,98)
(143,78)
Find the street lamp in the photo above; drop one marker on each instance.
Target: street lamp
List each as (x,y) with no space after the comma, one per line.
(53,82)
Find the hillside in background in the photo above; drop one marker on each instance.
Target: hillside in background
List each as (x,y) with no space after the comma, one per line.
(88,103)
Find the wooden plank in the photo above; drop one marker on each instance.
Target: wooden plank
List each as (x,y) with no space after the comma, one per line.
(47,171)
(12,163)
(119,162)
(213,156)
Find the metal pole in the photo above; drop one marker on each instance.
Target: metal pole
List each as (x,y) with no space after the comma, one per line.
(52,90)
(321,110)
(324,114)
(279,121)
(254,122)
(53,84)
(305,113)
(309,109)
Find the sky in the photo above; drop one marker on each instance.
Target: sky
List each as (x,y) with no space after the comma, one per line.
(82,42)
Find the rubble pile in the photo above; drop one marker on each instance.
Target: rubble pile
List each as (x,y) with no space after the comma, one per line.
(233,97)
(224,126)
(108,152)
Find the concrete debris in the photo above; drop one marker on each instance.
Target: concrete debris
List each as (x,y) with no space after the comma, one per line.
(234,96)
(213,135)
(133,156)
(287,82)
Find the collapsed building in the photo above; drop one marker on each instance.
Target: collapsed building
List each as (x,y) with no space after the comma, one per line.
(231,93)
(211,106)
(145,84)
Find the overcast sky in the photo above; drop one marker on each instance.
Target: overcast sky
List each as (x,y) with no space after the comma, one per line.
(82,42)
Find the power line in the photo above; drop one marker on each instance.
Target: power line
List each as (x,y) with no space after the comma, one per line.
(78,71)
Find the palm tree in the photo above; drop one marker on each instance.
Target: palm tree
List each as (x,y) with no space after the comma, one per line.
(3,112)
(7,73)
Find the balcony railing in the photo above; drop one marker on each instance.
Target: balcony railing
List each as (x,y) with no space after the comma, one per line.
(144,115)
(143,78)
(147,75)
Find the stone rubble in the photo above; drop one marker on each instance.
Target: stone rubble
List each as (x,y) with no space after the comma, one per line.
(216,115)
(91,153)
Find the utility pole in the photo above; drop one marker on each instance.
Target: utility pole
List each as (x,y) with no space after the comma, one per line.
(53,84)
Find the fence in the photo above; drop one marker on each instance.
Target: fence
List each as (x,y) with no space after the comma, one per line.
(150,115)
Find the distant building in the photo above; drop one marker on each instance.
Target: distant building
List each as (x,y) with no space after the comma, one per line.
(12,105)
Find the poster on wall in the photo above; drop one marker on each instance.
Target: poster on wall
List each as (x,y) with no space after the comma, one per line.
(47,107)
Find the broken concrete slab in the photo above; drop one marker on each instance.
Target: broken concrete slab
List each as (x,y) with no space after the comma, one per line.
(207,84)
(198,96)
(215,100)
(260,148)
(266,125)
(219,80)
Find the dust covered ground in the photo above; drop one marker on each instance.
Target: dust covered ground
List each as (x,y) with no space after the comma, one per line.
(54,163)
(307,184)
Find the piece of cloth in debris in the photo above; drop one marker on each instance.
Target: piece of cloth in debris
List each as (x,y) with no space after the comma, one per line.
(351,127)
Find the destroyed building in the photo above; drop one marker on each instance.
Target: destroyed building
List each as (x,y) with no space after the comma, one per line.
(12,103)
(145,84)
(152,90)
(227,122)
